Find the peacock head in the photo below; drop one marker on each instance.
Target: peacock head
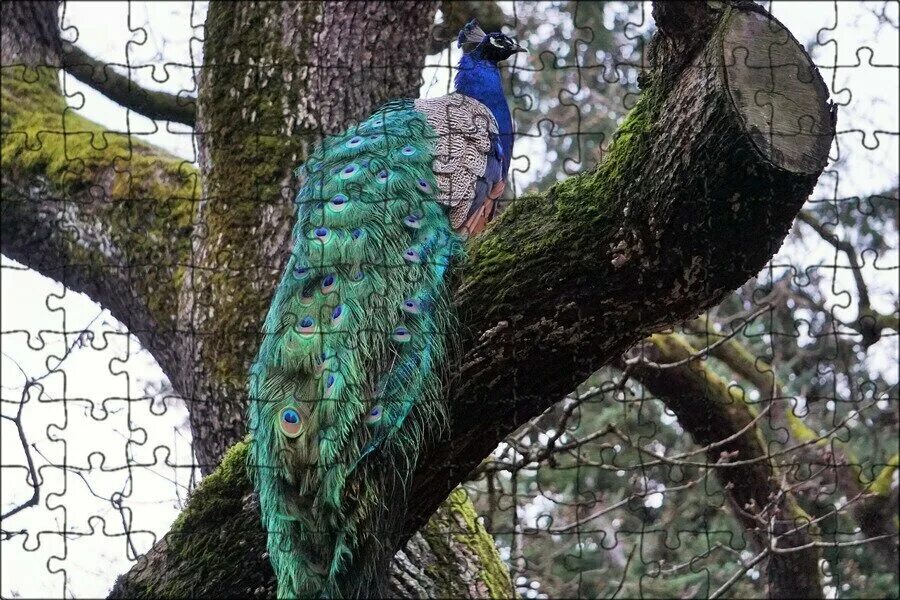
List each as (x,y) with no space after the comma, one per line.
(489,46)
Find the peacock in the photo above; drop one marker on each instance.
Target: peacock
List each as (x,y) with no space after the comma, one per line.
(346,384)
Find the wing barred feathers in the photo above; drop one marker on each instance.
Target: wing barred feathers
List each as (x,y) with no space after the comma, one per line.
(464,129)
(346,382)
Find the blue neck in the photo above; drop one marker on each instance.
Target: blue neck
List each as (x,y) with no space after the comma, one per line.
(480,79)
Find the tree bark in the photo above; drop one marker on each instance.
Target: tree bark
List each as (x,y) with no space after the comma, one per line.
(693,198)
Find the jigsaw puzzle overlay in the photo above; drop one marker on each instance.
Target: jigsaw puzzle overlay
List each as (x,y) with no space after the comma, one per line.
(665,473)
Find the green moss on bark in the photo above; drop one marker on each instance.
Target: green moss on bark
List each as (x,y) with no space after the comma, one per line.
(215,548)
(494,572)
(127,204)
(468,563)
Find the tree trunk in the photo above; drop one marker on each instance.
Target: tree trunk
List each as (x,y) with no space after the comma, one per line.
(696,194)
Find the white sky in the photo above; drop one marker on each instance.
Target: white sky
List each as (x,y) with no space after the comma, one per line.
(83,419)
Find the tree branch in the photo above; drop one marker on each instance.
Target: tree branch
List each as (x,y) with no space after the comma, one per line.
(869,323)
(869,511)
(101,76)
(99,212)
(683,210)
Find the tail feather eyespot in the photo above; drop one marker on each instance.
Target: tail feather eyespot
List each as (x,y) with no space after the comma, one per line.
(412,255)
(374,415)
(290,422)
(411,306)
(401,335)
(328,284)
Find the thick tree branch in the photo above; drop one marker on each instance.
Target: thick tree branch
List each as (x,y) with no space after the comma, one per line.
(100,212)
(687,205)
(101,76)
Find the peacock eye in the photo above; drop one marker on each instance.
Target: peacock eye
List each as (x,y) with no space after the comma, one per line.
(374,415)
(338,202)
(496,43)
(290,422)
(328,284)
(411,306)
(307,325)
(401,335)
(337,315)
(412,255)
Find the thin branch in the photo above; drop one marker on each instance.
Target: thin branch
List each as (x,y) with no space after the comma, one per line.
(733,579)
(123,90)
(17,420)
(845,247)
(660,459)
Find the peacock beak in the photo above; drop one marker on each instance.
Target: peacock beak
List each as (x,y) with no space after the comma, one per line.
(519,48)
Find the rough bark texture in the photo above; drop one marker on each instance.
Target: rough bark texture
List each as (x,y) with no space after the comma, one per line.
(684,209)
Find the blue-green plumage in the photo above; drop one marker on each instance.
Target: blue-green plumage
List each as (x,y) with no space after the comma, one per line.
(354,338)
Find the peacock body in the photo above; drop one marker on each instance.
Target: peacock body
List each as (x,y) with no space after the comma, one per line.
(346,383)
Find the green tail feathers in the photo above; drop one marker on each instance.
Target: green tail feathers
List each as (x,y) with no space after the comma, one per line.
(347,378)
